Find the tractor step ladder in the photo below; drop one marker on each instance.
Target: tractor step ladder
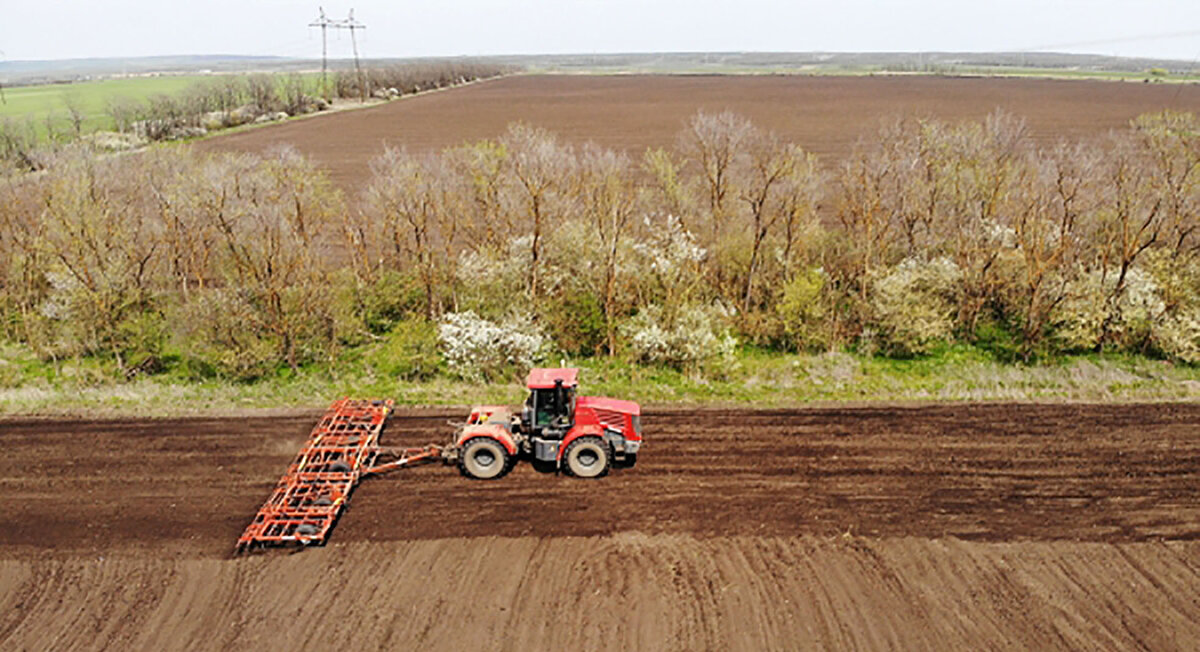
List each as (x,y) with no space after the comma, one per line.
(309,498)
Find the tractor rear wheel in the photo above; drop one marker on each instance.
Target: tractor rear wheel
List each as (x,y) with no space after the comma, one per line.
(587,457)
(484,458)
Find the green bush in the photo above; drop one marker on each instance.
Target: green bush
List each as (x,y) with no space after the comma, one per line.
(803,309)
(408,352)
(575,321)
(220,333)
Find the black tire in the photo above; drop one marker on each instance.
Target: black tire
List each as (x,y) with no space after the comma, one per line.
(306,530)
(339,467)
(628,462)
(587,457)
(484,458)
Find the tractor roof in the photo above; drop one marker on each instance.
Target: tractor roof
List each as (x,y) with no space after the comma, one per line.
(545,378)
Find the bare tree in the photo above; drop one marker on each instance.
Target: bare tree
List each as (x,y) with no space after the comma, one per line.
(263,91)
(405,201)
(273,231)
(480,170)
(979,163)
(294,95)
(74,104)
(189,193)
(103,249)
(18,144)
(538,167)
(866,212)
(123,112)
(1172,144)
(1130,223)
(800,199)
(667,187)
(1053,200)
(609,200)
(771,163)
(714,142)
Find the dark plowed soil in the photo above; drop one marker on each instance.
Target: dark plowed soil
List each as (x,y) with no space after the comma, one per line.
(738,530)
(983,472)
(826,115)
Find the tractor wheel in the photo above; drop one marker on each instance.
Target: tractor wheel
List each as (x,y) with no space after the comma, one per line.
(587,457)
(485,459)
(630,461)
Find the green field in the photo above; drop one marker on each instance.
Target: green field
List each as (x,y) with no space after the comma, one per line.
(38,102)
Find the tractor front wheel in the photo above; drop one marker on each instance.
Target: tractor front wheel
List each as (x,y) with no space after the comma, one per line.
(587,457)
(484,459)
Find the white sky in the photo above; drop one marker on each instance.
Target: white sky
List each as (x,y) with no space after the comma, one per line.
(57,29)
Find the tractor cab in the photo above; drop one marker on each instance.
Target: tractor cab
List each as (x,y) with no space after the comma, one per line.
(549,412)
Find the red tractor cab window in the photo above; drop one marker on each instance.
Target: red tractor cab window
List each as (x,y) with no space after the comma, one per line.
(550,408)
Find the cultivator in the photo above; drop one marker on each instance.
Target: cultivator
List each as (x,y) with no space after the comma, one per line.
(342,449)
(583,436)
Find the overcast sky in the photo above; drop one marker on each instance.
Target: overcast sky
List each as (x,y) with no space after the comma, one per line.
(57,29)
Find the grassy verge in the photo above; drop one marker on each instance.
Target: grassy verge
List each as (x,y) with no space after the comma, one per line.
(760,379)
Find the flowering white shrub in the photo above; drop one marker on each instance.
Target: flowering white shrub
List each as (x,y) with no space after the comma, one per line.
(1178,335)
(476,348)
(668,256)
(1079,319)
(913,304)
(496,272)
(692,338)
(669,246)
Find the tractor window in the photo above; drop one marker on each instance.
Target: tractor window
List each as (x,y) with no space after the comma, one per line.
(547,406)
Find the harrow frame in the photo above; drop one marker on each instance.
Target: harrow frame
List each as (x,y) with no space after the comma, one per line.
(342,449)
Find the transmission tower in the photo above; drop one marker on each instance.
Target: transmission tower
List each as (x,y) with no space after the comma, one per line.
(353,25)
(324,23)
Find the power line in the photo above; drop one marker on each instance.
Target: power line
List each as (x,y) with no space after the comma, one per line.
(323,23)
(352,25)
(349,23)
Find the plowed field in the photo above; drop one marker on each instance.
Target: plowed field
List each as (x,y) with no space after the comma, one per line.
(826,115)
(951,527)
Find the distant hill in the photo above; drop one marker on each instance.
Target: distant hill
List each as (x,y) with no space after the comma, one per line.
(883,61)
(67,70)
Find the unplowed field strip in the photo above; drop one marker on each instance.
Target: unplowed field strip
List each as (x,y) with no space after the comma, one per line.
(825,115)
(1120,473)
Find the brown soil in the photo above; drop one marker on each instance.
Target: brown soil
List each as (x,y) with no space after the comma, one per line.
(826,115)
(951,527)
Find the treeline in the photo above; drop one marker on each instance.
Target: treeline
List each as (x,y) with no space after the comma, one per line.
(220,102)
(489,255)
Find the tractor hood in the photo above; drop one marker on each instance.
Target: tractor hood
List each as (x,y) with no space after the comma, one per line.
(614,404)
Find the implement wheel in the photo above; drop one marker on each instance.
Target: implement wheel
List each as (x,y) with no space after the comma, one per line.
(484,459)
(587,457)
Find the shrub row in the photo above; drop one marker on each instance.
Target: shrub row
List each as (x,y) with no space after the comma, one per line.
(488,256)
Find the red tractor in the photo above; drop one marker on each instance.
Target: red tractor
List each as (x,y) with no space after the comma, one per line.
(581,435)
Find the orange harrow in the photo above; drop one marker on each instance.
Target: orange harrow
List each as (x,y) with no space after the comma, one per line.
(342,449)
